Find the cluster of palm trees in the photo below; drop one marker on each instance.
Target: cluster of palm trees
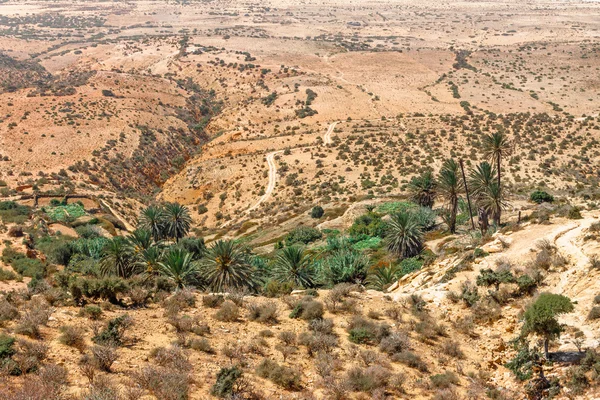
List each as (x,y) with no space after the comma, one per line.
(484,185)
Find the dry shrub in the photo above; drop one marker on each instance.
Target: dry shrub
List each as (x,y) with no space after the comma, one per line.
(73,336)
(181,300)
(257,346)
(37,313)
(286,351)
(446,394)
(324,326)
(164,383)
(15,231)
(265,313)
(327,363)
(486,311)
(287,337)
(452,348)
(49,383)
(202,345)
(395,343)
(171,357)
(594,313)
(411,360)
(316,342)
(30,355)
(368,357)
(444,381)
(8,312)
(283,376)
(212,300)
(104,356)
(466,326)
(139,296)
(364,331)
(395,313)
(228,312)
(233,351)
(367,379)
(308,309)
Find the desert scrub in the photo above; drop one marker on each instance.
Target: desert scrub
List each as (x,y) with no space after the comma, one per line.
(283,376)
(229,312)
(265,313)
(308,309)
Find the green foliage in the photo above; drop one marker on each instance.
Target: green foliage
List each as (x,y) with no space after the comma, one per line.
(540,317)
(178,267)
(308,309)
(345,265)
(381,278)
(303,234)
(317,212)
(107,288)
(488,278)
(369,224)
(293,264)
(368,244)
(574,213)
(523,362)
(11,212)
(114,331)
(423,189)
(31,267)
(6,346)
(225,384)
(118,258)
(539,196)
(63,213)
(409,265)
(404,235)
(227,266)
(177,220)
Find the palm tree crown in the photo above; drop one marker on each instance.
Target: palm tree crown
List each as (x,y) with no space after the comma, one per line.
(177,220)
(449,186)
(178,267)
(293,264)
(404,235)
(152,220)
(422,189)
(227,266)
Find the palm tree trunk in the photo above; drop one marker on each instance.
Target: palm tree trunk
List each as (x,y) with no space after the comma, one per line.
(499,189)
(462,168)
(546,353)
(453,212)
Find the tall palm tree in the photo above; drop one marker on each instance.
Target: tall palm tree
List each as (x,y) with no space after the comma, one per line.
(226,265)
(293,264)
(488,197)
(177,220)
(449,186)
(178,267)
(422,189)
(152,220)
(404,235)
(495,147)
(118,259)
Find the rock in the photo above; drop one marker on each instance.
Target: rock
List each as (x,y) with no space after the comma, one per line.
(297,292)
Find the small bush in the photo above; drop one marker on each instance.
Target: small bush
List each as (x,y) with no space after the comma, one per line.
(164,383)
(364,331)
(317,342)
(37,314)
(72,336)
(229,312)
(285,377)
(444,381)
(202,345)
(8,312)
(104,356)
(264,313)
(594,313)
(92,312)
(411,360)
(303,234)
(226,382)
(317,212)
(539,196)
(114,331)
(308,309)
(574,213)
(212,300)
(452,349)
(171,357)
(367,379)
(397,342)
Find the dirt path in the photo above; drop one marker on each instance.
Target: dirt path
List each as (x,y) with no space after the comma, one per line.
(272,180)
(327,137)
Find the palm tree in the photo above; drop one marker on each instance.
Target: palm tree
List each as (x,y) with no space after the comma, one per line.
(450,184)
(140,240)
(404,235)
(346,265)
(487,194)
(495,147)
(227,266)
(422,189)
(177,220)
(178,267)
(149,261)
(118,259)
(381,278)
(152,220)
(293,264)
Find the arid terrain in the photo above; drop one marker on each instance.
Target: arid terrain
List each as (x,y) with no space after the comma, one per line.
(310,125)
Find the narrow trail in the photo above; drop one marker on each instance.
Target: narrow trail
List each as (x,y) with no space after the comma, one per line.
(272,180)
(327,137)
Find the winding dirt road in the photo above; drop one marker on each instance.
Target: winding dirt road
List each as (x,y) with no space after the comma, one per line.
(272,180)
(327,137)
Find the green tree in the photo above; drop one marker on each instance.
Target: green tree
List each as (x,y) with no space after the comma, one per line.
(422,189)
(177,220)
(487,277)
(178,267)
(294,264)
(449,186)
(496,146)
(118,258)
(486,193)
(317,212)
(140,240)
(148,261)
(540,317)
(404,235)
(152,219)
(227,265)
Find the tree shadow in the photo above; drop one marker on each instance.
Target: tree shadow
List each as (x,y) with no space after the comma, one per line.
(567,357)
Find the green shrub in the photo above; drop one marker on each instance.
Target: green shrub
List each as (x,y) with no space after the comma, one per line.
(408,265)
(444,381)
(364,331)
(225,384)
(539,196)
(594,313)
(317,212)
(574,213)
(31,267)
(411,360)
(92,312)
(308,309)
(11,212)
(303,234)
(6,346)
(114,332)
(367,379)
